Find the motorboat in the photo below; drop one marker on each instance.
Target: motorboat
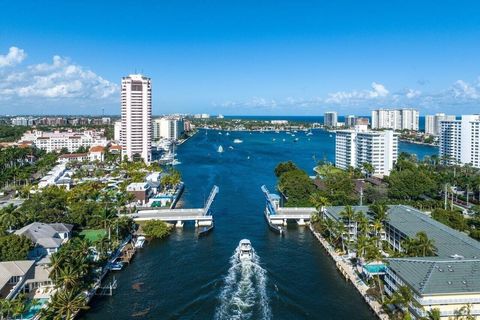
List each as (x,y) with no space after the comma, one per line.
(245,252)
(140,242)
(220,149)
(116,266)
(237,141)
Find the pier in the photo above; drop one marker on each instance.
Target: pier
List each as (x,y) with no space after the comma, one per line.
(201,216)
(278,216)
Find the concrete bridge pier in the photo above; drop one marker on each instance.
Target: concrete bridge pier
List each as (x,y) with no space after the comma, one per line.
(179,224)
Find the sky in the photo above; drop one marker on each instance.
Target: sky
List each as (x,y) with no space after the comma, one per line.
(241,57)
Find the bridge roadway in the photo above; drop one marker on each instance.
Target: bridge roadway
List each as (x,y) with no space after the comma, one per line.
(277,215)
(201,216)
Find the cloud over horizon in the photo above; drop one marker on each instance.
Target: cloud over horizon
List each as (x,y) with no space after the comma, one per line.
(51,83)
(460,93)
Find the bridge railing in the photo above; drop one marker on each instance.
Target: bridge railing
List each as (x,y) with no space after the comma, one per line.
(210,199)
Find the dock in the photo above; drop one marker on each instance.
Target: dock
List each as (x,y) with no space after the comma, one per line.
(278,216)
(201,216)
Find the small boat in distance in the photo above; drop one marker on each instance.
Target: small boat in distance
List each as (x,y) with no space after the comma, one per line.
(220,149)
(245,253)
(295,140)
(140,242)
(237,141)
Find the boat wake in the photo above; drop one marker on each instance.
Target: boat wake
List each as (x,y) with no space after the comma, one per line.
(244,295)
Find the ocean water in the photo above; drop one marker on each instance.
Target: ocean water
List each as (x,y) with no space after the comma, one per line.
(186,277)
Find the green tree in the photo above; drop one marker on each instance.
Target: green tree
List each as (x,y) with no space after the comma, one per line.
(284,167)
(14,247)
(403,298)
(156,229)
(65,304)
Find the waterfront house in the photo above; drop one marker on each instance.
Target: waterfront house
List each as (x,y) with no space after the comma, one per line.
(13,275)
(47,238)
(141,191)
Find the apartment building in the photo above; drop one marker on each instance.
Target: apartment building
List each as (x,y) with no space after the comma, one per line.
(136,129)
(460,140)
(170,128)
(396,119)
(58,140)
(354,147)
(433,123)
(330,119)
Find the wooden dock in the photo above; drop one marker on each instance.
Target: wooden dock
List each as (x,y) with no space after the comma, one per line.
(127,253)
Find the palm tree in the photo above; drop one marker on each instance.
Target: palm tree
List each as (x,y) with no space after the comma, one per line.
(404,298)
(65,304)
(374,254)
(319,201)
(8,216)
(433,314)
(368,169)
(425,245)
(6,308)
(56,261)
(68,277)
(348,214)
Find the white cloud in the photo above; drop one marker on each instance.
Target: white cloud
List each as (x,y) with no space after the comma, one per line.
(377,91)
(13,57)
(59,80)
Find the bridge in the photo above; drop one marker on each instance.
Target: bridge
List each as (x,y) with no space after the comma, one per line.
(201,216)
(277,216)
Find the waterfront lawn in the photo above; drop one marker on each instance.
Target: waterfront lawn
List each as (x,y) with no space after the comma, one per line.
(93,235)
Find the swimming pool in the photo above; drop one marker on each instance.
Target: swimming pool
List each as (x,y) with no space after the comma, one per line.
(374,268)
(34,308)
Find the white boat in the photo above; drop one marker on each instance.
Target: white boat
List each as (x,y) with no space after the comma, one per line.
(295,140)
(140,242)
(273,139)
(174,162)
(237,141)
(230,147)
(245,252)
(309,134)
(227,133)
(220,149)
(116,266)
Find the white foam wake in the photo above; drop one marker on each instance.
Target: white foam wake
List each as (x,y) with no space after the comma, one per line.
(244,294)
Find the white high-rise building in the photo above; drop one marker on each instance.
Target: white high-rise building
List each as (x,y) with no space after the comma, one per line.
(396,119)
(117,130)
(350,121)
(432,123)
(170,128)
(330,119)
(354,147)
(136,130)
(460,140)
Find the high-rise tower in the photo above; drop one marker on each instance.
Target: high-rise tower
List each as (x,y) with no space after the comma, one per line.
(136,129)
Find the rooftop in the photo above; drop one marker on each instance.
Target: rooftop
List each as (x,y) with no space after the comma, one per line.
(438,276)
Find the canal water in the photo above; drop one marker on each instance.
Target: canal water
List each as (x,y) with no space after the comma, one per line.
(186,277)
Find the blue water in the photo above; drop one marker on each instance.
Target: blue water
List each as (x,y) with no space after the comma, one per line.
(186,277)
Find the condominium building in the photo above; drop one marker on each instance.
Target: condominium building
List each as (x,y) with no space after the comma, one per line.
(432,123)
(58,140)
(23,121)
(350,121)
(170,128)
(460,141)
(136,130)
(396,119)
(330,119)
(354,147)
(447,281)
(117,130)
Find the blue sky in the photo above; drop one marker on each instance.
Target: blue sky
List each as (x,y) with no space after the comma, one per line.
(241,57)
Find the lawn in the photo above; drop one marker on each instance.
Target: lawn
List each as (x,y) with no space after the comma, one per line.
(93,235)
